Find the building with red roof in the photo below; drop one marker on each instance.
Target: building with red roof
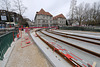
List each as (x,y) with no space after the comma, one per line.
(59,20)
(45,19)
(59,16)
(42,12)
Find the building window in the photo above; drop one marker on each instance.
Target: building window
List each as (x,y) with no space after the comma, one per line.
(47,21)
(17,18)
(38,21)
(43,21)
(3,13)
(3,18)
(50,21)
(43,16)
(48,17)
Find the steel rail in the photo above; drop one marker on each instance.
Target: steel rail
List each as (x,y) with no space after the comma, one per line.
(81,48)
(73,60)
(74,64)
(79,36)
(55,50)
(60,34)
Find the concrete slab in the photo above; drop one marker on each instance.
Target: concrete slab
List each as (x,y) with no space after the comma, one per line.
(49,54)
(92,47)
(86,57)
(96,35)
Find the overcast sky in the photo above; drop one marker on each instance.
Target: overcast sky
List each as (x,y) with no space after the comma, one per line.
(55,7)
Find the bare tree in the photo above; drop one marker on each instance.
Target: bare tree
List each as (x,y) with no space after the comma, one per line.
(80,13)
(19,7)
(0,4)
(6,5)
(94,14)
(96,11)
(85,13)
(72,10)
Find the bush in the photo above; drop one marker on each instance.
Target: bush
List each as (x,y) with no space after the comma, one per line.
(80,28)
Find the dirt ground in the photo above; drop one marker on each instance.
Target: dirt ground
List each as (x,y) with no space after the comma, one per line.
(27,55)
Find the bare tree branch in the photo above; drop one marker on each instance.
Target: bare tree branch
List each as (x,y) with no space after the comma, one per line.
(6,5)
(85,13)
(19,7)
(72,9)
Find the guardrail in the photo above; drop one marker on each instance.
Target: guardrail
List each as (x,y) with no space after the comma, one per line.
(5,42)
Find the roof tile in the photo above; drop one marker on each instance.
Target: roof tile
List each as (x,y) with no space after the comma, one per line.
(43,13)
(59,16)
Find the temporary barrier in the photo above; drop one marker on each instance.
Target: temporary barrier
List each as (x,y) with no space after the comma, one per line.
(5,42)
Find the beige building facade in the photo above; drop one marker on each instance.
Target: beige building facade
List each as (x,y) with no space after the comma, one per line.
(59,20)
(45,19)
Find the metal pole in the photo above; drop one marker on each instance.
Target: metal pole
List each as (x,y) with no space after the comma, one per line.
(13,35)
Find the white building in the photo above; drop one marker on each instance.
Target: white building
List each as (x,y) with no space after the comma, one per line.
(45,19)
(59,20)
